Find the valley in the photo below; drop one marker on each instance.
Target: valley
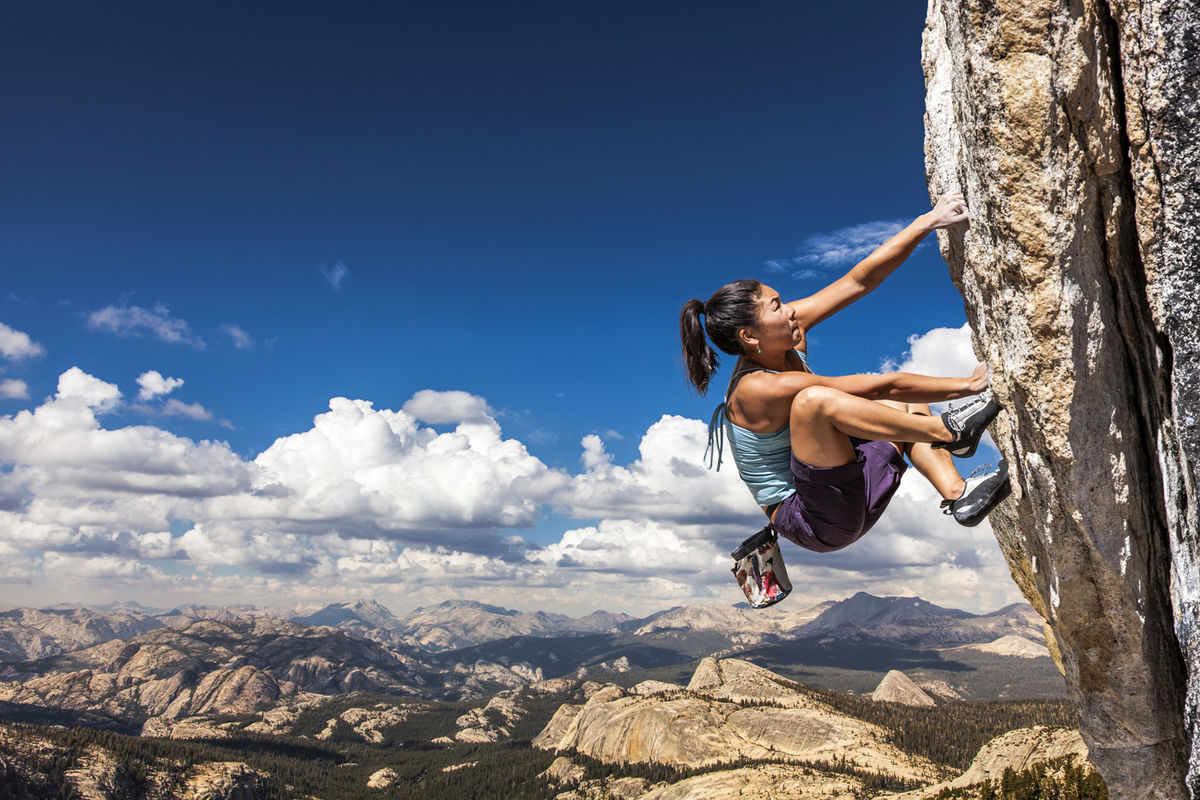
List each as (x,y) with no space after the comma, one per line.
(353,701)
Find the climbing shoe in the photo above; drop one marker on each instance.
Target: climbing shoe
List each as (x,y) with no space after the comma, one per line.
(968,423)
(982,493)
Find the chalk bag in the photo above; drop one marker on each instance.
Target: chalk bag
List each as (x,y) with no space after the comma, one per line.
(759,570)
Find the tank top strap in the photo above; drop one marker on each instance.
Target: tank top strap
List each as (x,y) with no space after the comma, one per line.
(716,425)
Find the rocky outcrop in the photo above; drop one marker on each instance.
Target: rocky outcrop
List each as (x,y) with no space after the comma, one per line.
(369,724)
(224,780)
(1015,646)
(1016,750)
(1071,127)
(190,728)
(491,723)
(731,709)
(896,687)
(211,667)
(481,678)
(28,759)
(27,633)
(382,778)
(767,780)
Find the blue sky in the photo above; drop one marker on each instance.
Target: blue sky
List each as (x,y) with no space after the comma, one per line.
(280,204)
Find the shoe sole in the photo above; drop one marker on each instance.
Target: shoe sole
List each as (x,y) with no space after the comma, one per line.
(1004,492)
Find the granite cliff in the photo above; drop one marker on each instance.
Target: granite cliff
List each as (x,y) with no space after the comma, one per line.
(1071,128)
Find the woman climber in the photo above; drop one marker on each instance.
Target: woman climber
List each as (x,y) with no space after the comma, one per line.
(823,455)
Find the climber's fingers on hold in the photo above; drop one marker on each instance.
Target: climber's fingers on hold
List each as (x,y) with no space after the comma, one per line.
(950,209)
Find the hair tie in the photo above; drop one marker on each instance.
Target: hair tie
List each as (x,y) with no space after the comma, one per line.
(703,308)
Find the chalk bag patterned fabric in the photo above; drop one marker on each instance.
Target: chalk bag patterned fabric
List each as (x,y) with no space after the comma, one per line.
(759,569)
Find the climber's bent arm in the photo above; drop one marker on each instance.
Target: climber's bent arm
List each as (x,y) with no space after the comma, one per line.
(867,274)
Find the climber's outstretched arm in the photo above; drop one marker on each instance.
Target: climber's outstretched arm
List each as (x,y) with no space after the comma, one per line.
(759,392)
(864,276)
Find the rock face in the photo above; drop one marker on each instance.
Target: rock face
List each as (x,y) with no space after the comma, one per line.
(36,633)
(896,687)
(1071,128)
(211,667)
(768,780)
(1016,646)
(1016,750)
(224,780)
(731,709)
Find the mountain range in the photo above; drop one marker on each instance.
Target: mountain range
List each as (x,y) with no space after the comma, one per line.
(196,660)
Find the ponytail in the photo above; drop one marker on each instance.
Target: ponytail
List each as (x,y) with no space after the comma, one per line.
(732,308)
(699,359)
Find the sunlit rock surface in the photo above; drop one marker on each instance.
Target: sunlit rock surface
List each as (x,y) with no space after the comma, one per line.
(896,687)
(1071,127)
(731,709)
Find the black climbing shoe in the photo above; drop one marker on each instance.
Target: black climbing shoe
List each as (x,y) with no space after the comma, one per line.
(967,423)
(981,495)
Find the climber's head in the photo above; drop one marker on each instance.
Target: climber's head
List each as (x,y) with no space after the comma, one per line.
(731,316)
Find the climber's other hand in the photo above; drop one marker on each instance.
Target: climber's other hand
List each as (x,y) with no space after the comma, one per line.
(950,209)
(979,379)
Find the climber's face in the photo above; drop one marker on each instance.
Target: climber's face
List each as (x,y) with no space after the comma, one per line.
(777,327)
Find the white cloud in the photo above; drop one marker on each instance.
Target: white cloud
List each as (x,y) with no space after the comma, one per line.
(65,458)
(594,455)
(178,408)
(836,249)
(14,389)
(668,481)
(101,567)
(336,274)
(941,352)
(631,547)
(372,500)
(445,407)
(152,384)
(93,393)
(16,345)
(241,339)
(136,321)
(369,469)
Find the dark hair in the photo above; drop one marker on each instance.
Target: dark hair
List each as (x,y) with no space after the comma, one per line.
(731,308)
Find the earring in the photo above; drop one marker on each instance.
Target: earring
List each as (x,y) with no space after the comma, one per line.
(759,351)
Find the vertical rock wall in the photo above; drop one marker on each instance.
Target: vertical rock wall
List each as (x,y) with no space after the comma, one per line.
(1071,127)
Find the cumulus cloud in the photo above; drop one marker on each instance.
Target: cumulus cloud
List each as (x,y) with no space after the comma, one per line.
(367,469)
(667,482)
(102,567)
(836,249)
(941,352)
(152,384)
(241,340)
(373,498)
(75,385)
(16,345)
(67,460)
(138,321)
(632,547)
(438,408)
(14,389)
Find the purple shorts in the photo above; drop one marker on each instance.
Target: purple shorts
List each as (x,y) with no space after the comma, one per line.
(834,506)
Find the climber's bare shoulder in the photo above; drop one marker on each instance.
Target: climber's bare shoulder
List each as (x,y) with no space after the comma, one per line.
(762,401)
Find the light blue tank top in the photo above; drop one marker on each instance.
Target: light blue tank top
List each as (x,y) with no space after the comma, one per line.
(764,460)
